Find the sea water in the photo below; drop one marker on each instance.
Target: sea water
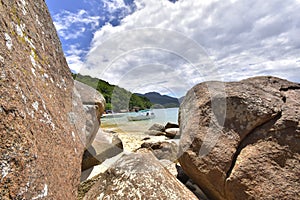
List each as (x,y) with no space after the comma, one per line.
(162,116)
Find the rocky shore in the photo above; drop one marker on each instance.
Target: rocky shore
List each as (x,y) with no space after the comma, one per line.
(235,140)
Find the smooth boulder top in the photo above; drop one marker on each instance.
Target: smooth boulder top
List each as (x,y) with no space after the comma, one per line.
(244,145)
(136,176)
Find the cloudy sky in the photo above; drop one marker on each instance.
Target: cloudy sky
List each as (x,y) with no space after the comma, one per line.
(168,46)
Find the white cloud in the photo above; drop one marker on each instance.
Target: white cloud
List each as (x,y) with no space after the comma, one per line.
(74,57)
(75,62)
(112,5)
(72,25)
(243,38)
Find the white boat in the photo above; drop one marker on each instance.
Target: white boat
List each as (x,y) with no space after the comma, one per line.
(113,115)
(141,115)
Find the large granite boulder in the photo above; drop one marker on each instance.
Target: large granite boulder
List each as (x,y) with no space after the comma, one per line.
(40,148)
(94,105)
(245,146)
(135,176)
(105,145)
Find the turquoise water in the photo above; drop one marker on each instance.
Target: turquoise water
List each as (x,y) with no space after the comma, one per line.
(162,116)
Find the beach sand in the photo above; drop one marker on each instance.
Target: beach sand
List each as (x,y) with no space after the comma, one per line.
(132,137)
(131,142)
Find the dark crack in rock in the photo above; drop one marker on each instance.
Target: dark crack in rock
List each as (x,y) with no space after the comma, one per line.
(256,153)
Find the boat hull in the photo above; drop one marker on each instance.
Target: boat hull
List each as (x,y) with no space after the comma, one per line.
(139,118)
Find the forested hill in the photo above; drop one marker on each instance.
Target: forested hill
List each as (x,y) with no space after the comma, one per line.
(116,98)
(162,100)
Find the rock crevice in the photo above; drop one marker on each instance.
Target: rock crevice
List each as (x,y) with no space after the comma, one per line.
(258,146)
(294,87)
(244,142)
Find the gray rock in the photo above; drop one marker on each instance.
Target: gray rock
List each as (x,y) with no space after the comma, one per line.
(155,133)
(193,187)
(189,183)
(171,125)
(172,133)
(146,138)
(135,176)
(181,175)
(157,127)
(163,150)
(170,166)
(106,145)
(90,96)
(94,104)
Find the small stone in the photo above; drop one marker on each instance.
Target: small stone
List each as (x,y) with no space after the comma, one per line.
(172,132)
(157,127)
(162,150)
(171,125)
(146,138)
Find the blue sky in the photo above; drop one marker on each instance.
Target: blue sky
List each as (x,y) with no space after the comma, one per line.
(169,46)
(77,20)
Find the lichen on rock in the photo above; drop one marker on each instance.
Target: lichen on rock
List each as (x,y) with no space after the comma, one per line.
(39,157)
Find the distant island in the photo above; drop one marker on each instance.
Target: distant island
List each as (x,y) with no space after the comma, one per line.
(121,100)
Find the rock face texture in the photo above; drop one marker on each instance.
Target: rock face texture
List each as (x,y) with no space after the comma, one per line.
(256,154)
(135,176)
(93,104)
(40,150)
(163,150)
(106,145)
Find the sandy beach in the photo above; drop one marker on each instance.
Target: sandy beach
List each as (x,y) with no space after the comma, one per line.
(131,140)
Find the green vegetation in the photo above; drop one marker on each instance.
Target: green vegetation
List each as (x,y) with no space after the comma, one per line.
(161,101)
(117,98)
